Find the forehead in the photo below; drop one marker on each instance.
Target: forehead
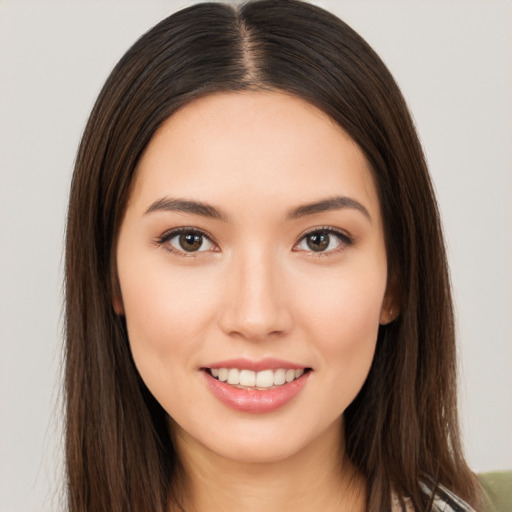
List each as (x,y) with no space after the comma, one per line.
(267,146)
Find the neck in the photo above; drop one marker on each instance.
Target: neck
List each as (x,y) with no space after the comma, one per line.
(319,477)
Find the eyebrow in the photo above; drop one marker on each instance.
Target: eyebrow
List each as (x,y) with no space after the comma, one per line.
(184,205)
(209,211)
(331,203)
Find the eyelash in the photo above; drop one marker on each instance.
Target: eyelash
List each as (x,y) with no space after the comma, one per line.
(169,235)
(343,239)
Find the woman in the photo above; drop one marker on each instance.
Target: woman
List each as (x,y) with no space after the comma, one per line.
(258,305)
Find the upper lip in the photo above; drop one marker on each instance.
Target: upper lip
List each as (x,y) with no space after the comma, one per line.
(268,363)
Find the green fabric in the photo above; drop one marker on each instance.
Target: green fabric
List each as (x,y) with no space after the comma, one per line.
(497,487)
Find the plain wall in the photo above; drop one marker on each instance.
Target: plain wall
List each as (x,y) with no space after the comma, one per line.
(453,60)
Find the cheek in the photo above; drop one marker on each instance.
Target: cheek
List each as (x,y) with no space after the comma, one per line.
(167,317)
(343,321)
(346,307)
(167,314)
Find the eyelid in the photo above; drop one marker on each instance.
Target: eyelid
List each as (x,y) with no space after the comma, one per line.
(163,240)
(344,238)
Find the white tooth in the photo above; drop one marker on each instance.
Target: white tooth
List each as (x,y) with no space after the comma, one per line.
(247,378)
(234,376)
(223,374)
(215,372)
(290,375)
(265,379)
(279,377)
(298,373)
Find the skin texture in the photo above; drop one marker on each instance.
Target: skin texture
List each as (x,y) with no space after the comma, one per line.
(255,289)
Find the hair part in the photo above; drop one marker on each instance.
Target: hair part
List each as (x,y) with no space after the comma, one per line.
(402,428)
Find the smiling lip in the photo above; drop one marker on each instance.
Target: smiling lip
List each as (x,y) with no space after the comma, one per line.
(255,400)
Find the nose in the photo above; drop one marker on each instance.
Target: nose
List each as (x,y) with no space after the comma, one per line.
(255,305)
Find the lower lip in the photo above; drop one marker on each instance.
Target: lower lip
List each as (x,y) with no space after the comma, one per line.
(253,400)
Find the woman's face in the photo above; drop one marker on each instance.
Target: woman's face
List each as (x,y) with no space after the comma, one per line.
(252,273)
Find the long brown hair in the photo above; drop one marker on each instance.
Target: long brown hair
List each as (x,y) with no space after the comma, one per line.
(402,429)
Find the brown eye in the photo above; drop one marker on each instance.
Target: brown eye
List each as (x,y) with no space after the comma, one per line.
(318,241)
(190,242)
(184,241)
(323,241)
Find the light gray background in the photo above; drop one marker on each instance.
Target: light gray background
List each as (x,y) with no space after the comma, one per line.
(453,60)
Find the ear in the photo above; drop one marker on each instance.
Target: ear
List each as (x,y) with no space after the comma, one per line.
(390,305)
(117,299)
(117,302)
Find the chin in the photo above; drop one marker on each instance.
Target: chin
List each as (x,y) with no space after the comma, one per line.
(265,441)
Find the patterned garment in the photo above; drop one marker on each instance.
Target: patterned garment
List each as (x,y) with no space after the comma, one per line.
(444,501)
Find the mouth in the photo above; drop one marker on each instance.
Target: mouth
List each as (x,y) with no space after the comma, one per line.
(262,380)
(256,387)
